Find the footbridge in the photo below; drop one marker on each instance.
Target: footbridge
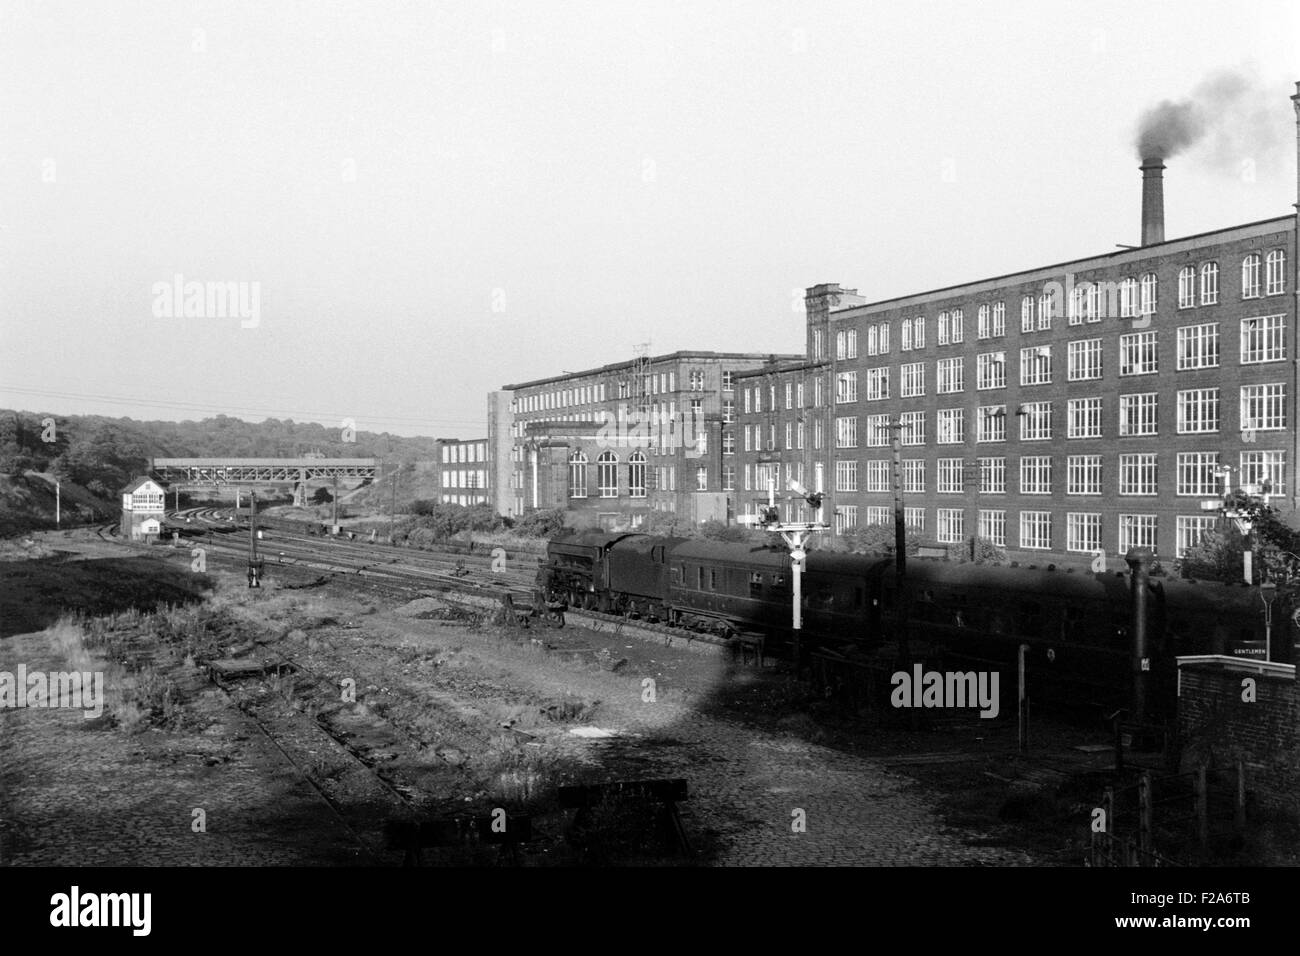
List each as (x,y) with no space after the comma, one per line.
(248,471)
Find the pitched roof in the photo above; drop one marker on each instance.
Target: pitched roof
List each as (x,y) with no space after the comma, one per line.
(135,485)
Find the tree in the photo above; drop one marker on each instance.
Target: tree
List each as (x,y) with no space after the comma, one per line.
(986,552)
(322,496)
(879,539)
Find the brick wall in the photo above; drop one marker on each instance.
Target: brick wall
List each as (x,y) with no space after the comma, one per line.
(1215,723)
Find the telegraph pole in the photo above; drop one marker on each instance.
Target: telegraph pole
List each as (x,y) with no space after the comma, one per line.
(254,562)
(58,503)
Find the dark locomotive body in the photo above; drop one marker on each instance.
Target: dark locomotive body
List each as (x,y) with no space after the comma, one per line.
(971,615)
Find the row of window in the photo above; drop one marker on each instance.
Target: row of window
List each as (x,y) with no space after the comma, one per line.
(1198,475)
(793,393)
(1261,408)
(464,477)
(653,384)
(663,477)
(464,452)
(1086,302)
(1083,530)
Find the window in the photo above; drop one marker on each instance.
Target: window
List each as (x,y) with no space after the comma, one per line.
(840,346)
(758,398)
(1036,421)
(873,341)
(1128,298)
(1083,475)
(749,446)
(798,395)
(956,323)
(577,475)
(906,344)
(951,525)
(991,370)
(877,384)
(789,435)
(884,340)
(696,378)
(818,346)
(636,473)
(851,347)
(1209,283)
(1198,411)
(1092,310)
(728,478)
(878,514)
(1046,309)
(846,476)
(913,476)
(1198,346)
(991,423)
(950,426)
(1036,475)
(846,387)
(993,527)
(1027,313)
(702,478)
(817,433)
(1186,287)
(846,432)
(982,325)
(1036,365)
(728,381)
(798,435)
(1137,354)
(728,410)
(1147,305)
(607,475)
(999,319)
(913,428)
(877,431)
(789,395)
(1074,308)
(747,402)
(1083,532)
(1250,276)
(993,476)
(918,332)
(914,518)
(1036,530)
(1191,529)
(949,377)
(1137,531)
(1083,360)
(912,380)
(1198,473)
(1274,274)
(817,392)
(846,518)
(1266,469)
(949,476)
(943,328)
(1138,414)
(1137,474)
(1263,407)
(1263,339)
(878,476)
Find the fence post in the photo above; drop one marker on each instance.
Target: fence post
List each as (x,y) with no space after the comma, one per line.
(1239,804)
(1144,812)
(1202,808)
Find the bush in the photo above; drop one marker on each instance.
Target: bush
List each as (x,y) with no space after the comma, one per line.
(540,524)
(715,530)
(986,552)
(879,539)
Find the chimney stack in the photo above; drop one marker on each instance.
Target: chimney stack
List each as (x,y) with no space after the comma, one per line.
(1153,201)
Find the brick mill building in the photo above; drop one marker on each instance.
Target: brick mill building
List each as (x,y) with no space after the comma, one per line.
(1073,409)
(463,471)
(611,444)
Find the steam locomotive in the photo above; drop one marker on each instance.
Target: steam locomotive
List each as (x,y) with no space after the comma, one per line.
(1079,623)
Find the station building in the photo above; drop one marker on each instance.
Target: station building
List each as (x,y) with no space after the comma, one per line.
(1078,408)
(609,445)
(143,501)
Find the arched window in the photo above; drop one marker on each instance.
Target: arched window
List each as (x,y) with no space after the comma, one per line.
(1128,298)
(636,473)
(607,475)
(1209,283)
(1186,287)
(1148,305)
(1027,313)
(1250,276)
(1274,283)
(577,475)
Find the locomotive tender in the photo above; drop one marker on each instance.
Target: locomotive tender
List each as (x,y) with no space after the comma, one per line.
(969,613)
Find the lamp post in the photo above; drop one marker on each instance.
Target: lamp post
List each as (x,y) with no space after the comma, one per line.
(1267,594)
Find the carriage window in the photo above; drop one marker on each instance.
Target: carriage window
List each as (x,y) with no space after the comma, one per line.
(713,580)
(755,580)
(699,574)
(677,575)
(778,580)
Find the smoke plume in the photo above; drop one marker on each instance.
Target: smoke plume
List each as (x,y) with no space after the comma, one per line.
(1228,118)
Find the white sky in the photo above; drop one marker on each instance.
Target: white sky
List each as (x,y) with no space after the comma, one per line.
(605,173)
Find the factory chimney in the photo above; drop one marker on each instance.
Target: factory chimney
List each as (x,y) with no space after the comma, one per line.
(1153,201)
